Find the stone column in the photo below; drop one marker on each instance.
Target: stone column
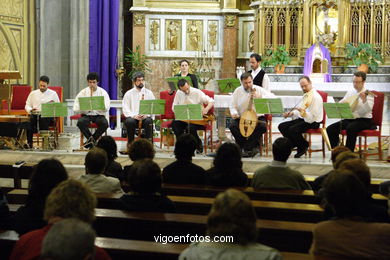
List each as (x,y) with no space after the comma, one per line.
(230,46)
(63,37)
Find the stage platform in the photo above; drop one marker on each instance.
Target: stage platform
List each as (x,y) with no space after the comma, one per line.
(74,162)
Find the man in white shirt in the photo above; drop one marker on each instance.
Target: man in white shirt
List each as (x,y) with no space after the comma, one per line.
(239,105)
(361,106)
(260,78)
(33,107)
(308,115)
(130,104)
(95,116)
(190,95)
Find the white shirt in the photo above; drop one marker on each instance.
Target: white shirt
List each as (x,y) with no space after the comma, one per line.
(131,100)
(37,98)
(265,83)
(87,93)
(240,99)
(196,96)
(314,112)
(362,110)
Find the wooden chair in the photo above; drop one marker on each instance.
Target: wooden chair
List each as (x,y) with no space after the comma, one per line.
(309,132)
(209,126)
(18,100)
(377,117)
(266,138)
(166,119)
(90,126)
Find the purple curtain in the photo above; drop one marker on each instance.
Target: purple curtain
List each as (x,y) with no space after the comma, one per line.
(103,43)
(308,64)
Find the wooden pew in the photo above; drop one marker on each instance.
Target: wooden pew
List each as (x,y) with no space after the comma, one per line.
(23,172)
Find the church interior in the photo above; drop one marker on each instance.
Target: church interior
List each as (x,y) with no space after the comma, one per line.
(302,49)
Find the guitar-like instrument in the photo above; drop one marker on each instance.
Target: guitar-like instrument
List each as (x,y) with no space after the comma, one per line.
(248,119)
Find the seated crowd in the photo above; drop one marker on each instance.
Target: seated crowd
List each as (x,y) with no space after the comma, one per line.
(59,208)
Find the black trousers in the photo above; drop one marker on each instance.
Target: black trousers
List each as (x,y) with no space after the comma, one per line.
(84,122)
(293,131)
(180,127)
(131,124)
(44,123)
(353,127)
(253,140)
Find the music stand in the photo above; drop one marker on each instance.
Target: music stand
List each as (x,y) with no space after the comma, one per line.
(188,113)
(152,107)
(268,105)
(228,85)
(8,76)
(172,82)
(54,109)
(92,103)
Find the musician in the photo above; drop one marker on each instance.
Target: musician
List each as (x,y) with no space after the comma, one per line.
(95,116)
(260,78)
(190,95)
(361,106)
(184,72)
(238,106)
(130,104)
(33,107)
(307,115)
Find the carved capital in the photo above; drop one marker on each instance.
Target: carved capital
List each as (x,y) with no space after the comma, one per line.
(139,20)
(230,20)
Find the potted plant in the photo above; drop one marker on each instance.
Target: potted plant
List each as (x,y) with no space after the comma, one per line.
(278,59)
(137,61)
(364,56)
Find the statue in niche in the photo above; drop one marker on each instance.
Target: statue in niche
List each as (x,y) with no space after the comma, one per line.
(213,35)
(251,42)
(318,64)
(193,35)
(154,27)
(172,33)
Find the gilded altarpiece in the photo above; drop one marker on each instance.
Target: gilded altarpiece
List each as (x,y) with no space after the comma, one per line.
(17,38)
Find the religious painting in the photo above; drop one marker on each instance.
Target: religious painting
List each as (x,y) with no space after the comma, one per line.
(154,34)
(212,35)
(194,35)
(173,34)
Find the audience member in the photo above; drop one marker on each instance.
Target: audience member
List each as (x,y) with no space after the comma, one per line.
(277,175)
(232,216)
(4,211)
(137,150)
(317,184)
(227,167)
(108,144)
(373,212)
(348,235)
(70,199)
(47,174)
(144,178)
(60,242)
(183,171)
(95,164)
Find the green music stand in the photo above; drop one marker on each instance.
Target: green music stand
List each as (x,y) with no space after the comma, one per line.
(268,105)
(92,103)
(228,85)
(188,112)
(338,110)
(172,82)
(152,107)
(54,109)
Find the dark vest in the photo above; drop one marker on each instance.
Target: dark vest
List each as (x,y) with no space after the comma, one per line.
(258,80)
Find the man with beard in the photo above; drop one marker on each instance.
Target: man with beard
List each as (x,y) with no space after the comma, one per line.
(130,104)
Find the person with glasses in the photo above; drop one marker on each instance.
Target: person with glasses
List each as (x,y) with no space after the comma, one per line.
(361,106)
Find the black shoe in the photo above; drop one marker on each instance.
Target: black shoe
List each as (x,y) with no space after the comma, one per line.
(247,154)
(89,143)
(255,151)
(300,152)
(199,150)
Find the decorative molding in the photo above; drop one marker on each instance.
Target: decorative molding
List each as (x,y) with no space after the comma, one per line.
(11,19)
(139,19)
(230,20)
